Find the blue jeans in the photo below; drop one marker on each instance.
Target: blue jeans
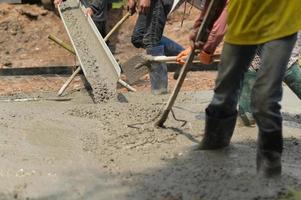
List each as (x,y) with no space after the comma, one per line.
(149,28)
(267,90)
(171,48)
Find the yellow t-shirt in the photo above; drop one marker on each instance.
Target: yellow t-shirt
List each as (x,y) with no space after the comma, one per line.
(259,21)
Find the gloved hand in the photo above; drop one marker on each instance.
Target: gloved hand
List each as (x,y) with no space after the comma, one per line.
(204,57)
(183,55)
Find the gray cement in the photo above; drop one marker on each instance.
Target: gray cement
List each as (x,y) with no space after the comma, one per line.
(80,150)
(96,66)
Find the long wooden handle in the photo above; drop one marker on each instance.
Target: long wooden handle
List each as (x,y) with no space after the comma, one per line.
(67,83)
(212,13)
(61,43)
(173,59)
(119,23)
(170,59)
(70,49)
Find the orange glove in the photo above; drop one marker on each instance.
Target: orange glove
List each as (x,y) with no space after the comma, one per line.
(181,56)
(205,58)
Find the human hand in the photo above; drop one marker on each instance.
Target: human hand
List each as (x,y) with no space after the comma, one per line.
(183,55)
(131,7)
(89,12)
(57,2)
(193,42)
(144,6)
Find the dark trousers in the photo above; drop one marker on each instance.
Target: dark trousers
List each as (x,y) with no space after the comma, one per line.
(267,90)
(101,26)
(149,28)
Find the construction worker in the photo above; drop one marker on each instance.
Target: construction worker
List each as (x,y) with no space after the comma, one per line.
(214,39)
(252,24)
(97,10)
(147,34)
(292,78)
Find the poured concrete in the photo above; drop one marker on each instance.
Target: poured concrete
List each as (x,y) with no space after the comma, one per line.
(80,150)
(97,62)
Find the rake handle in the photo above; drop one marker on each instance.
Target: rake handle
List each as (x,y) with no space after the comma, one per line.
(214,9)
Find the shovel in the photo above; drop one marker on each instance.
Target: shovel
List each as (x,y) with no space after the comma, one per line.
(137,66)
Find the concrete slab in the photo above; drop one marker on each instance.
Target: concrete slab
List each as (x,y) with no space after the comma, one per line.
(79,150)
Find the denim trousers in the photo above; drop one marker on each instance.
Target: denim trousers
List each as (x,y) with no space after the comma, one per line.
(149,27)
(267,91)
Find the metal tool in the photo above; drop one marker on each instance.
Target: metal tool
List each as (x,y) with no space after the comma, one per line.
(136,67)
(214,9)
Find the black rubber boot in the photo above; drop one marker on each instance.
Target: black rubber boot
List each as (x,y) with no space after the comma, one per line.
(268,159)
(218,132)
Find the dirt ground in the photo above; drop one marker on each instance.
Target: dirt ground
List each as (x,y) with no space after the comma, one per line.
(24,30)
(75,149)
(80,150)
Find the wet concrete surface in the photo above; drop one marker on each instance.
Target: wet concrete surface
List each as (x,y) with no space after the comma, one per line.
(81,150)
(98,69)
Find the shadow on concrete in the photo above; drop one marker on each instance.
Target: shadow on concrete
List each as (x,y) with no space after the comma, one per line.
(212,175)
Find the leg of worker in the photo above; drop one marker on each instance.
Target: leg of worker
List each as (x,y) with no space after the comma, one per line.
(293,74)
(293,78)
(139,31)
(221,113)
(101,26)
(266,95)
(155,23)
(99,16)
(171,48)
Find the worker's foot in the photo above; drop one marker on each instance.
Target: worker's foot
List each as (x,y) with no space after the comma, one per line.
(218,132)
(176,74)
(268,158)
(160,91)
(158,72)
(247,118)
(268,164)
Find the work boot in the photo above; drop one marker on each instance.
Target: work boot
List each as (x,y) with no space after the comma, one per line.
(292,78)
(268,158)
(218,132)
(157,72)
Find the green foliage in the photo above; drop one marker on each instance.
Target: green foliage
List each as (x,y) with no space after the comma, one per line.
(118,5)
(292,195)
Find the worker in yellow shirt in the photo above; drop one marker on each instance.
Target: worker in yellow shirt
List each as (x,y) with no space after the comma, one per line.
(272,25)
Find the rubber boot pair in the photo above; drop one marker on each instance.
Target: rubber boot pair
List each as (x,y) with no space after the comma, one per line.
(218,134)
(269,150)
(157,71)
